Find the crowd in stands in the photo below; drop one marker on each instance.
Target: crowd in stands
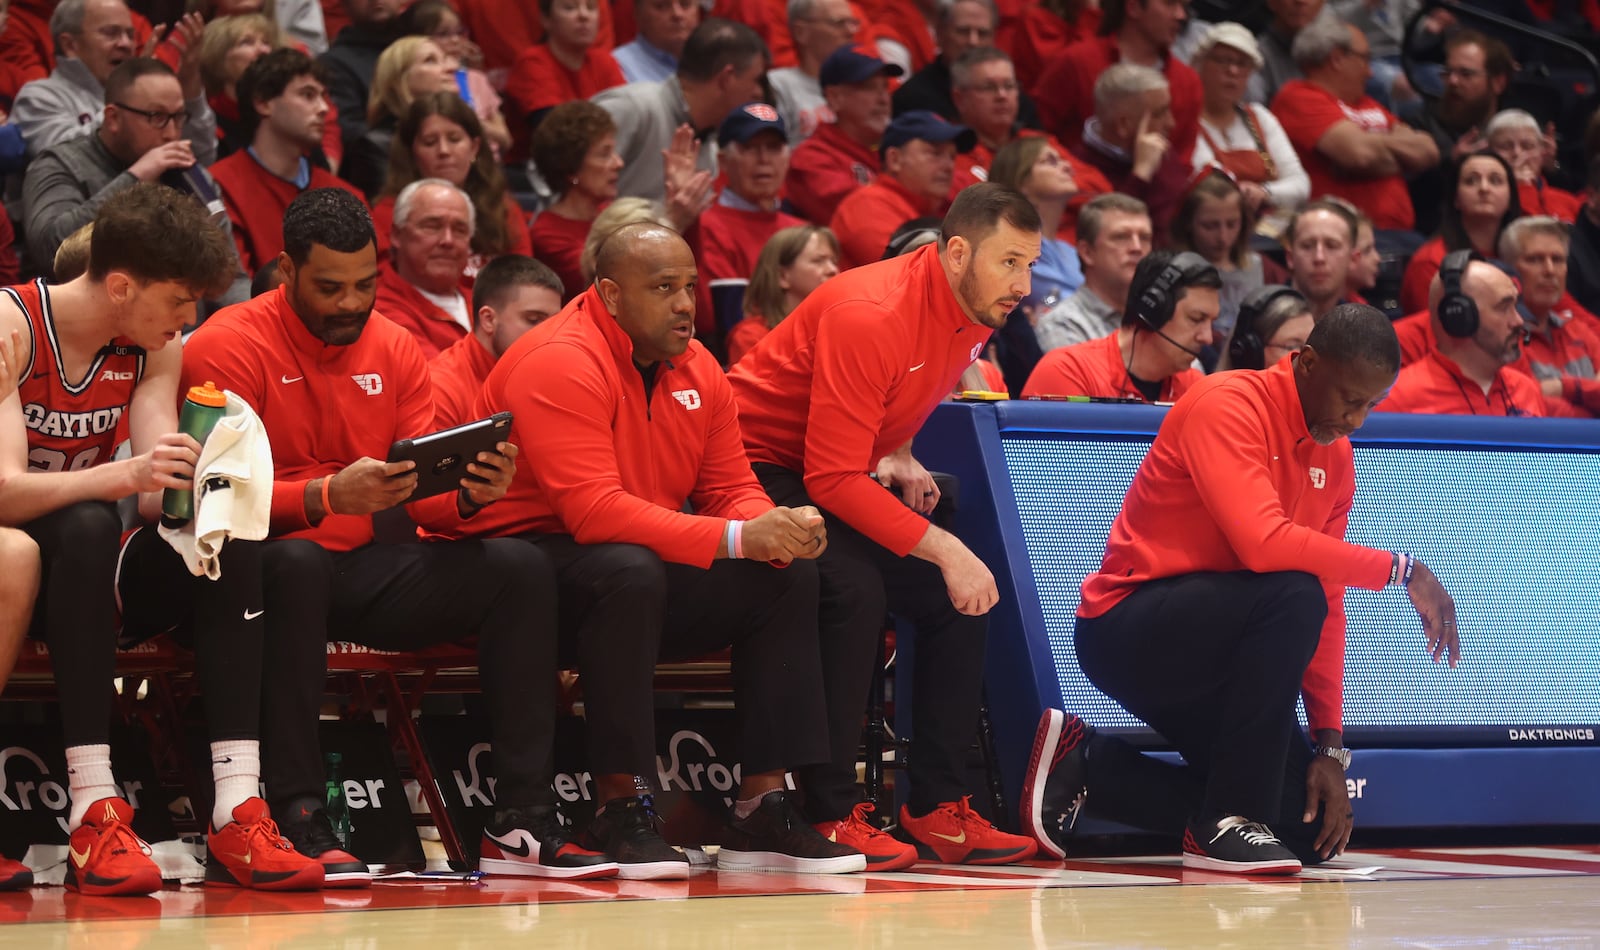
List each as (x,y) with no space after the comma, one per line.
(636,174)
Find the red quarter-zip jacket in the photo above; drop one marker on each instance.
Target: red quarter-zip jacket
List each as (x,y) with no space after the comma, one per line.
(323,406)
(603,460)
(849,377)
(1234,482)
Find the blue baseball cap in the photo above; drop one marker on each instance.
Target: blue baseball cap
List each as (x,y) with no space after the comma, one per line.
(748,121)
(852,64)
(929,127)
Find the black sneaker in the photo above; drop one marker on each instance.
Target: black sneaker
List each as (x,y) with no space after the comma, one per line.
(628,831)
(775,837)
(1056,783)
(1236,845)
(309,830)
(532,842)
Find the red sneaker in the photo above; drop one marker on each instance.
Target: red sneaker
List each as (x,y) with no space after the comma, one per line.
(884,851)
(955,834)
(249,852)
(14,875)
(105,858)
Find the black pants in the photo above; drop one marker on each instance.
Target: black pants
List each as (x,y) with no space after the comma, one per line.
(861,582)
(623,609)
(1212,662)
(76,617)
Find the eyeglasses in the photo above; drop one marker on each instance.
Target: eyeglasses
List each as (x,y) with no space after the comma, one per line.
(1293,346)
(1453,72)
(158,119)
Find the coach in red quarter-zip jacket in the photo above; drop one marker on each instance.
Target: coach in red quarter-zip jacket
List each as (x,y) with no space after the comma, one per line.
(639,490)
(835,393)
(1221,600)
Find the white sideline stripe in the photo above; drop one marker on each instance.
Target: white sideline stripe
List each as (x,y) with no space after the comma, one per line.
(1546,854)
(1391,863)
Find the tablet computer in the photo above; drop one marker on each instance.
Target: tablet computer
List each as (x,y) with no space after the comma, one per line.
(442,457)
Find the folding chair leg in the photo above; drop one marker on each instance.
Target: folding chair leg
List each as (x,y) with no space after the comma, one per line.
(400,724)
(991,768)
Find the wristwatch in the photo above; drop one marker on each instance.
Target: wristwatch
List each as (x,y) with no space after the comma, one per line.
(1341,756)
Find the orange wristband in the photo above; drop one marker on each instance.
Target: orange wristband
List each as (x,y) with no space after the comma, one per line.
(327,506)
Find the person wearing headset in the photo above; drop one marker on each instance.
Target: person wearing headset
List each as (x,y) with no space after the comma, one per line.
(1478,334)
(1172,302)
(1274,321)
(1220,603)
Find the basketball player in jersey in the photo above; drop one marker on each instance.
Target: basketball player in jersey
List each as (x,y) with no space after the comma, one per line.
(95,352)
(19,584)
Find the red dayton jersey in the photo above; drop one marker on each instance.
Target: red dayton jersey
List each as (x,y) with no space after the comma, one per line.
(72,425)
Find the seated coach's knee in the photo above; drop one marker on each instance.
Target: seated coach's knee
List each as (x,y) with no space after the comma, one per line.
(630,571)
(299,565)
(525,568)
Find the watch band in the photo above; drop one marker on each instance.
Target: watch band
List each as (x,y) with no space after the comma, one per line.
(1339,755)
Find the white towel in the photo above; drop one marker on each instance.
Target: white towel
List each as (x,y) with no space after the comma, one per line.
(232,490)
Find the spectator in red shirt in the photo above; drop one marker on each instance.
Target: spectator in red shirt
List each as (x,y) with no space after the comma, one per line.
(575,150)
(1481,200)
(1173,300)
(440,137)
(288,114)
(1477,331)
(1320,246)
(1129,140)
(1220,603)
(1561,344)
(840,156)
(984,86)
(505,29)
(918,153)
(512,295)
(419,286)
(1048,28)
(753,154)
(1135,32)
(792,264)
(1516,137)
(1350,145)
(568,65)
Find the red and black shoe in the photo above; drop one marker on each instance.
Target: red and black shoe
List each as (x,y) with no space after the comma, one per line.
(309,830)
(1056,784)
(250,852)
(532,842)
(106,859)
(14,875)
(955,834)
(884,851)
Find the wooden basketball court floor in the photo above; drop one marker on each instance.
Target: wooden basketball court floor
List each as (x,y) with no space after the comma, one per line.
(1421,897)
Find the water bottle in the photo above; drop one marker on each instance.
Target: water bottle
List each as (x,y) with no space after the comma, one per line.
(202,410)
(338,810)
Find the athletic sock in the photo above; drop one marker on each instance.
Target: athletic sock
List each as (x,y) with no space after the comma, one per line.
(745,807)
(236,769)
(89,780)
